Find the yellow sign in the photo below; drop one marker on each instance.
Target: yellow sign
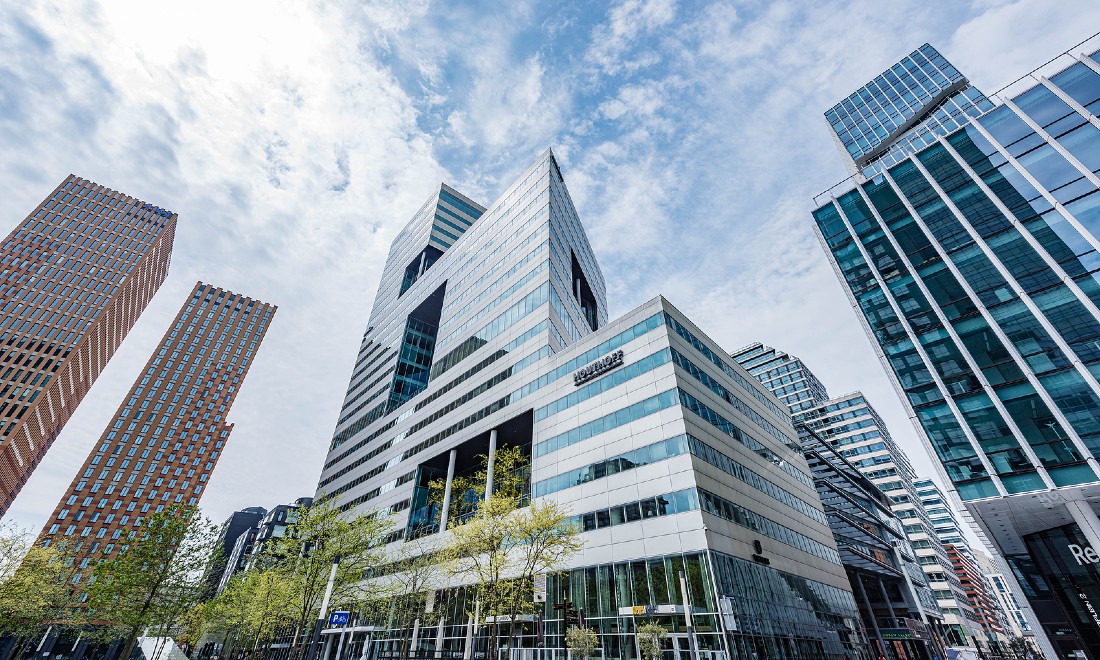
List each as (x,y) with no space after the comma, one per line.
(639,610)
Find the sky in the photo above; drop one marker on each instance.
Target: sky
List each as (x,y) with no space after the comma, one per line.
(296,138)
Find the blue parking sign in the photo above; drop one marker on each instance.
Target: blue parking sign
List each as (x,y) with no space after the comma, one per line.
(339,618)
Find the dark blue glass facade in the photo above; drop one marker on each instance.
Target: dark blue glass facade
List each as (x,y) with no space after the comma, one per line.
(903,109)
(974,266)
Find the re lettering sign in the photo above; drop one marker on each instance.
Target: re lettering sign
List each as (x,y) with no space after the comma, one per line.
(339,618)
(1083,555)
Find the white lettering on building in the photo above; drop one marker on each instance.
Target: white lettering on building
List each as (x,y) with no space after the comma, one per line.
(1084,555)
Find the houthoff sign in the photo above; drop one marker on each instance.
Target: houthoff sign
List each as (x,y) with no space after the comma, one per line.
(598,368)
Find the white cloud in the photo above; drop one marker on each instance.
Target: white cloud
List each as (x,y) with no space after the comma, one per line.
(690,136)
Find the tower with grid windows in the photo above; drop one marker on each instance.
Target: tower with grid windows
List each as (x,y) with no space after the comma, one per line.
(74,277)
(166,437)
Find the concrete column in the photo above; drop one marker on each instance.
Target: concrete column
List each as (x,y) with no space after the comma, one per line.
(1086,519)
(492,463)
(468,649)
(439,636)
(415,635)
(886,599)
(870,612)
(443,517)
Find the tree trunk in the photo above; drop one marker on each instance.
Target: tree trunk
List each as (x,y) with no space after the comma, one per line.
(131,640)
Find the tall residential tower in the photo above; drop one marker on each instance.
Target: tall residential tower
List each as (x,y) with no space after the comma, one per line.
(969,253)
(169,431)
(74,277)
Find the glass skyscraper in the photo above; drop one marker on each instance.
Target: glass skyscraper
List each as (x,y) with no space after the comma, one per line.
(853,430)
(74,277)
(970,264)
(670,456)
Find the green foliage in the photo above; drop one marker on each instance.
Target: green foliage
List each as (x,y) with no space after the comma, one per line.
(154,580)
(649,640)
(583,642)
(34,583)
(256,604)
(304,557)
(504,544)
(511,479)
(413,571)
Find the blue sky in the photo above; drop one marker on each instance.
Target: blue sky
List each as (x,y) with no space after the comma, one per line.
(295,139)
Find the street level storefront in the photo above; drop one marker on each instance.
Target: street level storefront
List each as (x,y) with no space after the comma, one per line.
(740,610)
(1062,575)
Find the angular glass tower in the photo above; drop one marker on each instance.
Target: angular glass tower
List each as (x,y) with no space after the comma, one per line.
(972,265)
(903,110)
(670,456)
(74,277)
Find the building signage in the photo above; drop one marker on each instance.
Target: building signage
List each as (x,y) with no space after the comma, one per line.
(1087,604)
(540,588)
(598,368)
(649,610)
(1084,555)
(759,557)
(896,633)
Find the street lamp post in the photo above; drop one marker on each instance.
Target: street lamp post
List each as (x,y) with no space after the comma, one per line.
(324,610)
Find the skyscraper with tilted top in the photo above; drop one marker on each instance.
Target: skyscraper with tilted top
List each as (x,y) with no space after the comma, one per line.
(168,434)
(967,241)
(490,330)
(74,277)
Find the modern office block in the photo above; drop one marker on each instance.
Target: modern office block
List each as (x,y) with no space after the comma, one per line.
(169,431)
(970,264)
(272,524)
(784,375)
(853,430)
(237,524)
(74,277)
(670,456)
(900,614)
(1018,625)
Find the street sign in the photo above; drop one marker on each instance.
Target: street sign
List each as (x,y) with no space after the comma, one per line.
(339,618)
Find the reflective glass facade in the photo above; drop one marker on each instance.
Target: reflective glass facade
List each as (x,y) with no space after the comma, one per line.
(669,456)
(859,470)
(902,110)
(74,277)
(972,264)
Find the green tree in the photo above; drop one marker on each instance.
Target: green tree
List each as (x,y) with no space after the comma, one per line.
(412,574)
(649,640)
(583,642)
(320,536)
(505,543)
(155,578)
(34,584)
(256,604)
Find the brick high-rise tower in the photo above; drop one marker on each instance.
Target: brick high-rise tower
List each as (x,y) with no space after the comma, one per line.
(168,433)
(74,277)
